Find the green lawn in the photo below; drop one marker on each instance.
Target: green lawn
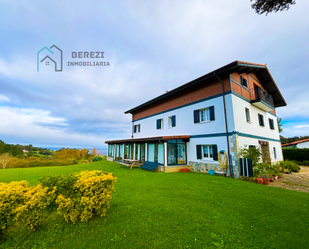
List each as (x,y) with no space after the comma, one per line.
(174,210)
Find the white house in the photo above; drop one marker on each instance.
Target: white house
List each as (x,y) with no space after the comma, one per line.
(301,144)
(200,121)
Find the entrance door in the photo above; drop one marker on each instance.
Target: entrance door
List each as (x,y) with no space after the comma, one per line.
(171,153)
(265,153)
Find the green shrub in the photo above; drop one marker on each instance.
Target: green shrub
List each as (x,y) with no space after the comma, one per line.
(97,158)
(297,162)
(306,163)
(295,154)
(290,166)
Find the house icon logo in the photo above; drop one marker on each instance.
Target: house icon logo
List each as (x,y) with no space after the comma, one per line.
(50,55)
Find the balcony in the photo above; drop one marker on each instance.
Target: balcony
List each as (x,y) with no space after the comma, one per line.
(262,99)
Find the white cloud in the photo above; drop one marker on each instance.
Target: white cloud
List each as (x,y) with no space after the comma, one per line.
(3,98)
(21,125)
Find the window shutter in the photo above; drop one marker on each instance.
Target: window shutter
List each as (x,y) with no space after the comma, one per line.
(196,116)
(212,113)
(139,128)
(198,151)
(158,124)
(215,152)
(134,128)
(173,121)
(261,120)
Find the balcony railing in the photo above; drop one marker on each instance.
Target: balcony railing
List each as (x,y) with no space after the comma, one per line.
(258,95)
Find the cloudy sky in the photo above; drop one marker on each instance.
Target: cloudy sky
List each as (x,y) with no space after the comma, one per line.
(152,46)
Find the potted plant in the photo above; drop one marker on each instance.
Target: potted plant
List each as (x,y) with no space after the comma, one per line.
(266,178)
(259,180)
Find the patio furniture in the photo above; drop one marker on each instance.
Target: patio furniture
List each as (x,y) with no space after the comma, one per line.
(152,166)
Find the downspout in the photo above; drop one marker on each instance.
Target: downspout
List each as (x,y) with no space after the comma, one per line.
(132,126)
(226,127)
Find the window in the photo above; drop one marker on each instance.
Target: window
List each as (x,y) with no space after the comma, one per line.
(137,128)
(271,124)
(261,120)
(204,115)
(207,152)
(160,124)
(243,81)
(172,121)
(247,115)
(110,150)
(275,154)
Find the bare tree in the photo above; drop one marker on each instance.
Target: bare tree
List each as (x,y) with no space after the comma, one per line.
(5,159)
(268,6)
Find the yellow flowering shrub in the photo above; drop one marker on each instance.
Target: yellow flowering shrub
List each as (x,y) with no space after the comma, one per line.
(30,213)
(21,205)
(11,196)
(92,195)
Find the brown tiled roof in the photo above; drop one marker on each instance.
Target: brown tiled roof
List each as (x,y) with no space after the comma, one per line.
(149,139)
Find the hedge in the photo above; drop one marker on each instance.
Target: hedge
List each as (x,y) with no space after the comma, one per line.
(295,154)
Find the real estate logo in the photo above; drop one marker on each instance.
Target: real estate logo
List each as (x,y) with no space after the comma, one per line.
(50,55)
(54,55)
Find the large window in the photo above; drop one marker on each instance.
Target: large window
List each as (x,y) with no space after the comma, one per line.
(128,151)
(119,152)
(204,115)
(140,152)
(110,150)
(176,152)
(156,153)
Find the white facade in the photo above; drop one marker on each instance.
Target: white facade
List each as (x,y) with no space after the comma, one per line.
(248,133)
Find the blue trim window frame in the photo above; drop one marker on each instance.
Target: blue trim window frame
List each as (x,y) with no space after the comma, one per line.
(171,121)
(137,128)
(261,120)
(243,81)
(204,115)
(271,124)
(160,124)
(207,152)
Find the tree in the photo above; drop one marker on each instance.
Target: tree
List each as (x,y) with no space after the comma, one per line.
(268,6)
(279,120)
(5,159)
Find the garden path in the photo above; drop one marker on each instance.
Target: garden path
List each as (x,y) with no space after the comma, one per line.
(295,181)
